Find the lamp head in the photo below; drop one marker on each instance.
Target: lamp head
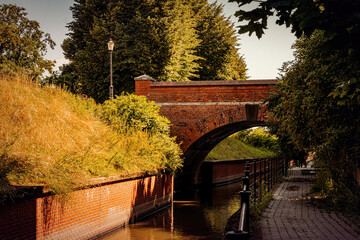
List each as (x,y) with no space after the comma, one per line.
(110,45)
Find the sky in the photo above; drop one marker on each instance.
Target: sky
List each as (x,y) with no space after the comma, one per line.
(263,57)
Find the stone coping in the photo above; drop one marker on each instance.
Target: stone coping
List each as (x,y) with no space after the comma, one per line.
(238,160)
(215,83)
(31,191)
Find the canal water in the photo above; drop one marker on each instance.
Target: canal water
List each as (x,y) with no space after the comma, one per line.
(202,216)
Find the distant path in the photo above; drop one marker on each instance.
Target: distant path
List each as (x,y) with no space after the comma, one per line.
(291,216)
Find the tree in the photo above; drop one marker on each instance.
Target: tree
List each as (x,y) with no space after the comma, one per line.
(320,113)
(219,48)
(339,19)
(319,103)
(157,38)
(149,38)
(287,149)
(22,43)
(182,39)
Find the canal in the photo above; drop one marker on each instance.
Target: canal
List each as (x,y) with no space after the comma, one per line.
(202,216)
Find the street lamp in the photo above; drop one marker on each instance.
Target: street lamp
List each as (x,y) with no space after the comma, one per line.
(111,48)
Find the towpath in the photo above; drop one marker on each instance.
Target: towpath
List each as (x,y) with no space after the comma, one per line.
(290,215)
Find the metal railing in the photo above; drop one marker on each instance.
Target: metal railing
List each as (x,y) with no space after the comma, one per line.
(266,171)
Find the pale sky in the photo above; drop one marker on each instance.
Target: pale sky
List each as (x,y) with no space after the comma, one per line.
(263,57)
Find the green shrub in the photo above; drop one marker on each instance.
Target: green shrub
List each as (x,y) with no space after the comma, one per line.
(259,137)
(134,111)
(129,113)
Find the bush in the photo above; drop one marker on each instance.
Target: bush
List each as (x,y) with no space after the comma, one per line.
(131,113)
(134,112)
(259,137)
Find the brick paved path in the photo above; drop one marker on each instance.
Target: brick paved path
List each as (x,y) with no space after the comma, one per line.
(290,216)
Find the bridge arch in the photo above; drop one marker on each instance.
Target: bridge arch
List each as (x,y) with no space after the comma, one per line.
(197,151)
(203,113)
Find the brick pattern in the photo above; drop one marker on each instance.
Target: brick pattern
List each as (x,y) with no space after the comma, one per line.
(221,171)
(291,216)
(206,91)
(210,94)
(86,213)
(191,121)
(18,221)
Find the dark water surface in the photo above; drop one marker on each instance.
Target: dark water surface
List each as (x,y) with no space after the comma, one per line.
(202,216)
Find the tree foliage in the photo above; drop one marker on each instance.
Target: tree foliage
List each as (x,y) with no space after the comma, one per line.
(338,19)
(181,39)
(318,108)
(162,39)
(218,49)
(22,43)
(318,102)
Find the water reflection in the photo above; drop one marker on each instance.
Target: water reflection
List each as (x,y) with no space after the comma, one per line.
(202,217)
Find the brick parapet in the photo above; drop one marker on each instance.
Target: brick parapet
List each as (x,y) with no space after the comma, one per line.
(204,91)
(214,83)
(232,93)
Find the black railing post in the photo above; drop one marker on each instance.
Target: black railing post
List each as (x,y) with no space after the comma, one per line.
(245,201)
(255,193)
(266,167)
(268,173)
(272,172)
(276,170)
(260,181)
(284,167)
(246,181)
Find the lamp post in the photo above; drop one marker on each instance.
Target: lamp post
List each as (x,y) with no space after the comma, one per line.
(111,48)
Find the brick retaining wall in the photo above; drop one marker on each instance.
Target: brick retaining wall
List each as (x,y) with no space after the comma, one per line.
(222,171)
(217,172)
(88,212)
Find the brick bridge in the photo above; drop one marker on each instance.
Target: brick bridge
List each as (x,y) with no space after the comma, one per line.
(203,113)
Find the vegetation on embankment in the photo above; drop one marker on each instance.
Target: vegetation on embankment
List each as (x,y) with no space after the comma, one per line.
(53,138)
(245,144)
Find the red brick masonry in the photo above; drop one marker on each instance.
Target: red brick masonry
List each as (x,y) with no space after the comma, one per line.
(196,108)
(86,213)
(216,172)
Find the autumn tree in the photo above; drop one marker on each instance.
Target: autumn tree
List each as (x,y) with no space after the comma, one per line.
(22,43)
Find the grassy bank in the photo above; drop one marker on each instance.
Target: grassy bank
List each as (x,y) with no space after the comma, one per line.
(235,147)
(53,138)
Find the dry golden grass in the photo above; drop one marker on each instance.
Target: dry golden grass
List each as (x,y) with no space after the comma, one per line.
(53,138)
